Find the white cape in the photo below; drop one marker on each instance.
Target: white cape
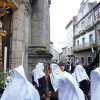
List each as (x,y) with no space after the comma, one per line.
(95,84)
(68,88)
(38,72)
(19,88)
(80,74)
(54,76)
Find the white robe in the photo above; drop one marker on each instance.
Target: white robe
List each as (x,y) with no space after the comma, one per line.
(54,76)
(68,88)
(38,72)
(95,84)
(19,88)
(80,74)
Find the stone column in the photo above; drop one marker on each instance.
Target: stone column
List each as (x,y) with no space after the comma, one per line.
(40,23)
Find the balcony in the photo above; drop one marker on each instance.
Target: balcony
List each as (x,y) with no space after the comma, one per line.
(84,46)
(81,31)
(89,26)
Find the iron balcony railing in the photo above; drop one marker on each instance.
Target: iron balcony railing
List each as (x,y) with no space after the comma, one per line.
(84,46)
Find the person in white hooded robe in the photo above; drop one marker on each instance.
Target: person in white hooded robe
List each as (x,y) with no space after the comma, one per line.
(82,80)
(95,84)
(53,81)
(68,88)
(19,88)
(39,80)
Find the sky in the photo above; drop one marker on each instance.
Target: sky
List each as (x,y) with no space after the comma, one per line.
(61,12)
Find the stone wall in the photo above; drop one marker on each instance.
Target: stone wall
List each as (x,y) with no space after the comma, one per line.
(20,37)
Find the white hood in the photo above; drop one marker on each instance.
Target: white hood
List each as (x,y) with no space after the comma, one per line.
(80,74)
(54,76)
(19,88)
(95,84)
(38,72)
(68,88)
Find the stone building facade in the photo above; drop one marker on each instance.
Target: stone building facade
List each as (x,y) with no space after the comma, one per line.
(29,27)
(84,33)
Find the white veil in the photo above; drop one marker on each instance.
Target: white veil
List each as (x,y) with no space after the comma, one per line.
(68,88)
(54,76)
(19,88)
(38,72)
(80,74)
(95,84)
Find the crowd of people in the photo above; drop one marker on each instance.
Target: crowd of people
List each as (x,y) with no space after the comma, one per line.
(63,82)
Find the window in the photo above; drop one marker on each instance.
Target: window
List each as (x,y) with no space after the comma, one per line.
(78,43)
(82,60)
(89,60)
(91,37)
(83,40)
